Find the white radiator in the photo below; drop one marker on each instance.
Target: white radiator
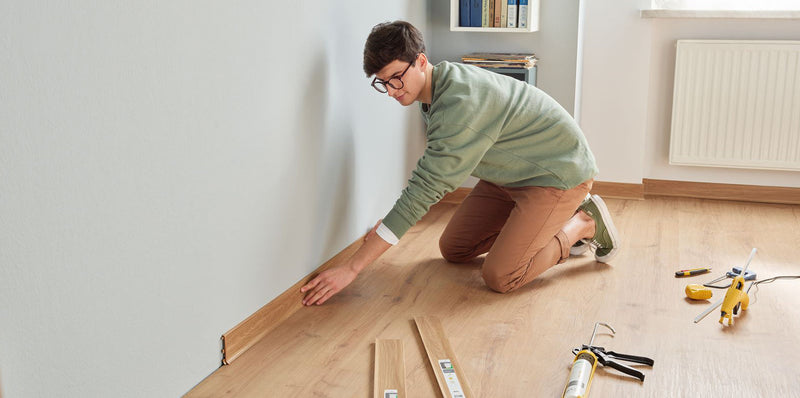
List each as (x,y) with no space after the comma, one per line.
(736,104)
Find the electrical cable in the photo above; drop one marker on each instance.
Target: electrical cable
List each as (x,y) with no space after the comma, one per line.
(768,280)
(754,283)
(774,278)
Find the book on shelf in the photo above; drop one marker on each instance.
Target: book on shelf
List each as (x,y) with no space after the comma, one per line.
(522,21)
(512,14)
(498,12)
(464,12)
(501,60)
(490,17)
(500,56)
(499,66)
(484,13)
(475,13)
(503,13)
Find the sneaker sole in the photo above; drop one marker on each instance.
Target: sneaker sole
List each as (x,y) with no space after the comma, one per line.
(612,230)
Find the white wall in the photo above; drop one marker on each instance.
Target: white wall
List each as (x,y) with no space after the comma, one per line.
(626,94)
(167,168)
(613,98)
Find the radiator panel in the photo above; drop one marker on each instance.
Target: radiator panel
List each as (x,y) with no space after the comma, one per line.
(736,104)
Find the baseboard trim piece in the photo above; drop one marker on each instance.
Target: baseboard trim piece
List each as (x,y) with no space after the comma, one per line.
(390,368)
(707,190)
(248,332)
(619,190)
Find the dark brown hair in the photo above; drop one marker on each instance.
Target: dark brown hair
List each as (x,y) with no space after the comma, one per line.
(389,41)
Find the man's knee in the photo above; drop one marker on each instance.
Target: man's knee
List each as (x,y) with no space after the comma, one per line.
(498,283)
(455,254)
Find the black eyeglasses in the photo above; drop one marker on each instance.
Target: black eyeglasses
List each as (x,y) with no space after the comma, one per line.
(395,82)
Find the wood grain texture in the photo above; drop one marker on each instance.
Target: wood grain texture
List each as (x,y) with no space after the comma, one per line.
(248,332)
(390,368)
(437,346)
(519,344)
(704,190)
(619,190)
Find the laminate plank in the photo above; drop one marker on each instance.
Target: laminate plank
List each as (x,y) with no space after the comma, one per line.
(519,344)
(390,369)
(449,373)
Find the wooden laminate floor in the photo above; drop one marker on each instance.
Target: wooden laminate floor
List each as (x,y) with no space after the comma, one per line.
(519,344)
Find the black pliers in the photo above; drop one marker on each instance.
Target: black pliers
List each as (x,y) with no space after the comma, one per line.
(607,358)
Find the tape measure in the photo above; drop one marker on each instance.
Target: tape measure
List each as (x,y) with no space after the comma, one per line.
(698,292)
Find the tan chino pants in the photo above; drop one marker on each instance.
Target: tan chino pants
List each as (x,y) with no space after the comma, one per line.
(520,228)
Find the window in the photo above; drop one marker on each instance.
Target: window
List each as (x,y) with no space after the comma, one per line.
(727,5)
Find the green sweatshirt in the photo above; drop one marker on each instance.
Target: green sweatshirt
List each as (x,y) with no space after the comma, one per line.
(493,127)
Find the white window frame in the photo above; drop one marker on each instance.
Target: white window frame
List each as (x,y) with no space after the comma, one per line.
(726,5)
(748,9)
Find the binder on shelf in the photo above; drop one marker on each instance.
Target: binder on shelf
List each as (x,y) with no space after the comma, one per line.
(475,13)
(523,14)
(464,12)
(512,14)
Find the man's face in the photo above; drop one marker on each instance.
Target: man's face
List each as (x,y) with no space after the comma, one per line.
(411,76)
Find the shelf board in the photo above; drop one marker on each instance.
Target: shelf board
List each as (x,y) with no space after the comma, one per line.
(489,30)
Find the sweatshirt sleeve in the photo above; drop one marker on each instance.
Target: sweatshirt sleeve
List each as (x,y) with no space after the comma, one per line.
(452,153)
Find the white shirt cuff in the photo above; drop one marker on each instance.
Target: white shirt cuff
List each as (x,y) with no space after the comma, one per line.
(386,234)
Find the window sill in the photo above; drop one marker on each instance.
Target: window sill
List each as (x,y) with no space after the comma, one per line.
(735,14)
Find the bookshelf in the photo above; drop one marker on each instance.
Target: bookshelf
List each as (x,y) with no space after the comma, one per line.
(533,20)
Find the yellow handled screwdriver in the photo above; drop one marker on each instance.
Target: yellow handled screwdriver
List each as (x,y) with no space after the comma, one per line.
(692,272)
